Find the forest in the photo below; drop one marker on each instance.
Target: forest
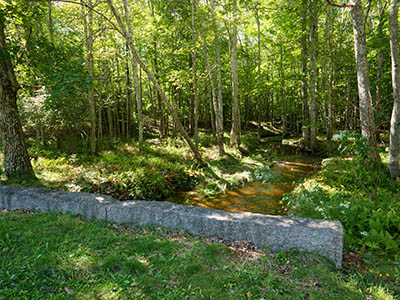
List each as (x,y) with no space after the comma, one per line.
(281,107)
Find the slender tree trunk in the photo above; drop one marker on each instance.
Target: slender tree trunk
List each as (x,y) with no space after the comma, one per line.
(151,76)
(394,150)
(304,94)
(159,100)
(194,56)
(212,113)
(272,98)
(219,114)
(283,96)
(100,121)
(153,105)
(109,105)
(100,111)
(330,76)
(313,74)
(258,106)
(139,104)
(16,158)
(50,22)
(128,97)
(235,131)
(364,92)
(88,28)
(380,63)
(218,125)
(138,91)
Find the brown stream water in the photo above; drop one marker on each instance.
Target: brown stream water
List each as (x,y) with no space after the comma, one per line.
(265,198)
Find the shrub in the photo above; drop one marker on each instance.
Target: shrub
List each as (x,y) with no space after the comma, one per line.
(371,219)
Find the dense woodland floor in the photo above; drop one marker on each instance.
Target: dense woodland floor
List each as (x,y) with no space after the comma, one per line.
(66,258)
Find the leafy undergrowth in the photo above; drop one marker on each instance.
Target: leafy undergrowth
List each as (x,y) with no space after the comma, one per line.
(363,197)
(358,192)
(58,256)
(165,168)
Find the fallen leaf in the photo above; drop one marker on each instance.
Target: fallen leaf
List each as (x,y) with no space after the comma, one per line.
(69,291)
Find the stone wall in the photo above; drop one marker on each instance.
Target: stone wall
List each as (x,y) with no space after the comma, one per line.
(272,232)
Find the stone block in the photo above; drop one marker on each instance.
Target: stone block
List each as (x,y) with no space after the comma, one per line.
(276,233)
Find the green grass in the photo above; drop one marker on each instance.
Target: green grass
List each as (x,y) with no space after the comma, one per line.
(58,256)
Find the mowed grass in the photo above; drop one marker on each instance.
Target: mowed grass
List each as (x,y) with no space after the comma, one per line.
(60,256)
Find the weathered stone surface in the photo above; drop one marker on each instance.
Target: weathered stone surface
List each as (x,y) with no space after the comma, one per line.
(273,232)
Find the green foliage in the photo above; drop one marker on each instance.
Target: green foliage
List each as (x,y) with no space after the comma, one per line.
(335,194)
(353,143)
(251,142)
(264,174)
(144,179)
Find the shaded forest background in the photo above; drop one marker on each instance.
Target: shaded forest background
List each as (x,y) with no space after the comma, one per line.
(220,64)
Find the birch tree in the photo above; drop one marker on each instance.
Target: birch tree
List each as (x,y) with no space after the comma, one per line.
(395,120)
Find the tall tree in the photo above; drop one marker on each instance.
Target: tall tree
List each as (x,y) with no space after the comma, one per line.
(304,59)
(138,92)
(16,158)
(195,87)
(394,151)
(364,90)
(50,22)
(219,114)
(258,73)
(313,70)
(152,77)
(89,39)
(235,131)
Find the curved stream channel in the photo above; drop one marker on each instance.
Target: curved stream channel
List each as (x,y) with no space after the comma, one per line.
(290,164)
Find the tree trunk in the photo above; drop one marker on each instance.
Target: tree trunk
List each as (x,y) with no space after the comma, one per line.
(153,106)
(379,67)
(258,106)
(89,48)
(109,110)
(219,113)
(364,92)
(235,131)
(304,94)
(194,56)
(138,91)
(330,76)
(218,125)
(394,150)
(128,97)
(313,74)
(16,158)
(283,96)
(151,76)
(159,100)
(50,23)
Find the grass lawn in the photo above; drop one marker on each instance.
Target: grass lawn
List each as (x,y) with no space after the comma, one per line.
(58,256)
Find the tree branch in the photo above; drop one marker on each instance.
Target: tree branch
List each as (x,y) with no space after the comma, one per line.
(343,5)
(88,6)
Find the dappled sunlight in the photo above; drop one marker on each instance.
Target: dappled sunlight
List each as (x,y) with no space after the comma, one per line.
(256,196)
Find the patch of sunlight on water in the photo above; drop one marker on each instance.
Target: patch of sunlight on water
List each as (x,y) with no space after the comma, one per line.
(258,197)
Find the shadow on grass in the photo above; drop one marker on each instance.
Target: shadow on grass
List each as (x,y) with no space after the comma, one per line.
(55,256)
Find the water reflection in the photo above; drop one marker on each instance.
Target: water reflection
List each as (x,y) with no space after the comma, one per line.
(265,198)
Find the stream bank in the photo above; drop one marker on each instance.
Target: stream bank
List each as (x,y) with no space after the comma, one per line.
(289,165)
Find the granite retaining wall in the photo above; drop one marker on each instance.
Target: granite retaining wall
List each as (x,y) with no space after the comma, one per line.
(277,233)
